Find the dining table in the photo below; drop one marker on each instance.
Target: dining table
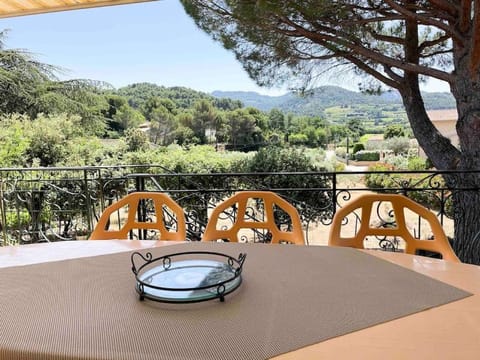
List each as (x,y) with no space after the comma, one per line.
(80,300)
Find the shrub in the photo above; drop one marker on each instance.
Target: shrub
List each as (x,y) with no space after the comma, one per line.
(17,220)
(378,181)
(14,142)
(198,159)
(339,166)
(398,162)
(298,139)
(136,139)
(50,137)
(315,154)
(412,152)
(358,147)
(341,151)
(278,160)
(416,163)
(399,145)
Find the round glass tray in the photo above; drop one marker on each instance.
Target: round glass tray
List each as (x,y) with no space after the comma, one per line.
(174,279)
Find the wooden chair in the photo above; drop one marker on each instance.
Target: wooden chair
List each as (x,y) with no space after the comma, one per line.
(241,212)
(438,244)
(131,203)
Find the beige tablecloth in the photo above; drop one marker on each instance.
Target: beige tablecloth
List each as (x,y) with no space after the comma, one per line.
(291,296)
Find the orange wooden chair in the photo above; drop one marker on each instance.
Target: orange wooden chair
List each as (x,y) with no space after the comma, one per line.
(240,209)
(131,202)
(439,244)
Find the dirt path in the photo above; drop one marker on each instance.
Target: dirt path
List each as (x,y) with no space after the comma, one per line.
(318,233)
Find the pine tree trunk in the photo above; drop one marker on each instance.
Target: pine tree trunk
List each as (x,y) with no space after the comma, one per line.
(466,91)
(466,242)
(445,156)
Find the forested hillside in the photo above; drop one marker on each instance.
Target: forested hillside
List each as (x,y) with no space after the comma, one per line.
(317,100)
(184,98)
(48,122)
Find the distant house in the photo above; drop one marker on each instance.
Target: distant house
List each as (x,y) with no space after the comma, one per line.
(145,127)
(445,121)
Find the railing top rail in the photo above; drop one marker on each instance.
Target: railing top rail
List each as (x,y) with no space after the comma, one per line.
(97,167)
(172,173)
(310,173)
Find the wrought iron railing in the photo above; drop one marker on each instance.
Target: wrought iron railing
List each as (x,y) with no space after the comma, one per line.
(57,204)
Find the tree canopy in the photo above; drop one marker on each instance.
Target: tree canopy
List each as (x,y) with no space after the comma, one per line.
(393,131)
(391,44)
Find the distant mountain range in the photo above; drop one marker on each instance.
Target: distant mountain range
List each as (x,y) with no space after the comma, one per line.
(324,97)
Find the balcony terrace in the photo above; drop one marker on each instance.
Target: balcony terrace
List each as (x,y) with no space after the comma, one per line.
(63,204)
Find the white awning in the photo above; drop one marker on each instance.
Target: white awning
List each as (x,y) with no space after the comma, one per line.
(10,8)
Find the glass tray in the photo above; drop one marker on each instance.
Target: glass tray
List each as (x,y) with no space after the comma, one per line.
(187,276)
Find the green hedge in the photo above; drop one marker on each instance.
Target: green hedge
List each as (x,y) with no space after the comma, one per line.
(367,155)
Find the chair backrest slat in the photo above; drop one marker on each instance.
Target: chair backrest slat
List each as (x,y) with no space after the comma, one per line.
(240,202)
(438,244)
(133,201)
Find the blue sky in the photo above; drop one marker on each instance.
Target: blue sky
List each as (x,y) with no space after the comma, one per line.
(148,42)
